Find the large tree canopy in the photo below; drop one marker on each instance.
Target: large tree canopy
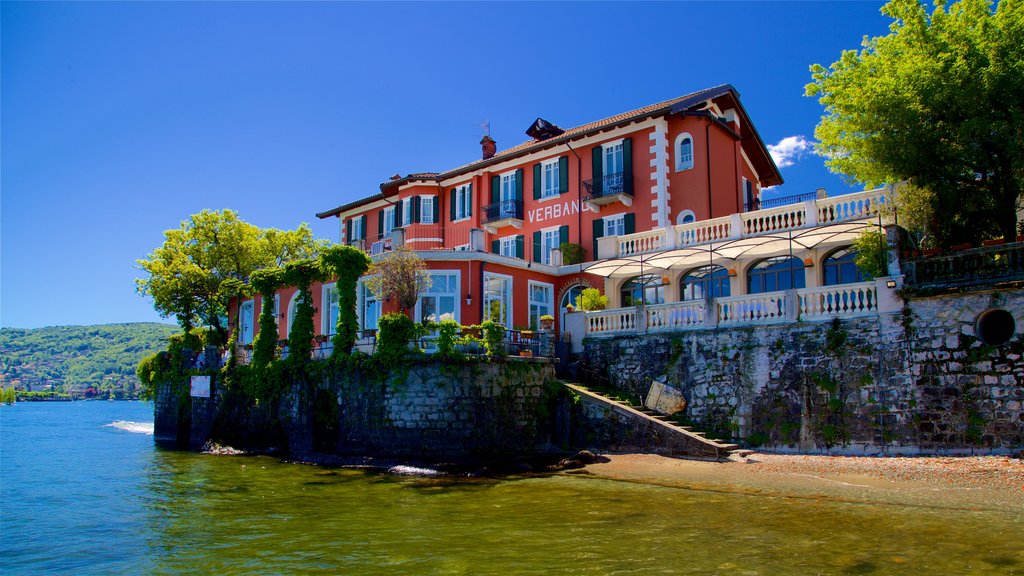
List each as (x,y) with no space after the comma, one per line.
(186,273)
(938,102)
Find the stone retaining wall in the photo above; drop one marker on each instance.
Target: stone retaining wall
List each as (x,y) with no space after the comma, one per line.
(904,383)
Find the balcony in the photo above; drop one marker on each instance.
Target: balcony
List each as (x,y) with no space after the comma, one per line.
(609,189)
(796,222)
(504,213)
(381,246)
(759,204)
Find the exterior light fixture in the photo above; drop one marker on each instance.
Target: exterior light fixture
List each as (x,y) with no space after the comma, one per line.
(890,283)
(469,299)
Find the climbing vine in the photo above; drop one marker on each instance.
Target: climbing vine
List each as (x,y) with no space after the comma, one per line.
(266,282)
(301,273)
(347,264)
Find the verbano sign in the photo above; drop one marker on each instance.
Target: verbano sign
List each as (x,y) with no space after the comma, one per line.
(556,210)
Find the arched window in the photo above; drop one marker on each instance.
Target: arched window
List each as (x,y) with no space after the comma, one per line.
(568,297)
(686,216)
(646,289)
(840,268)
(684,152)
(779,273)
(292,306)
(704,282)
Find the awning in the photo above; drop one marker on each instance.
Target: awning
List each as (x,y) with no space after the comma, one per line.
(728,252)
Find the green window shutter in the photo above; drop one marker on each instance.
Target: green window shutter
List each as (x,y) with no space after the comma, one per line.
(520,240)
(469,201)
(348,231)
(437,209)
(536,246)
(519,184)
(627,161)
(629,222)
(495,246)
(380,223)
(598,232)
(537,183)
(451,203)
(362,227)
(563,174)
(416,209)
(563,235)
(495,189)
(598,172)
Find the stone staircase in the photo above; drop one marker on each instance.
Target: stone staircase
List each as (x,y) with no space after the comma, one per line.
(659,434)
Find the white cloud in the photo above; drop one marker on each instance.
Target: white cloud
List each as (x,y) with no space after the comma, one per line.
(789,150)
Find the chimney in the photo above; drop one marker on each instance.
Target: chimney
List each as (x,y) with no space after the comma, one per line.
(489,147)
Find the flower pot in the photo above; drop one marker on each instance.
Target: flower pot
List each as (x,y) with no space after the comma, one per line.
(526,353)
(547,324)
(994,242)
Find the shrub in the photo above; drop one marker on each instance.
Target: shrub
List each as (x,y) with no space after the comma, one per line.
(394,332)
(494,338)
(447,332)
(591,299)
(872,250)
(571,253)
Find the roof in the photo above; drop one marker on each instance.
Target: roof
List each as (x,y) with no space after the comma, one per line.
(764,164)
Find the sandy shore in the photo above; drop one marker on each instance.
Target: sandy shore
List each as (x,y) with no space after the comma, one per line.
(976,482)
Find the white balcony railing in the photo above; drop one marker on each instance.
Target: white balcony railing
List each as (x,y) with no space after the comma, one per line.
(863,299)
(767,308)
(807,214)
(843,301)
(676,315)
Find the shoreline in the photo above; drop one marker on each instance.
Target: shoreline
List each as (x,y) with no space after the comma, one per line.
(994,483)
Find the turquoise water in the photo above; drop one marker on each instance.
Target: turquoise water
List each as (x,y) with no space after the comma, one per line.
(82,497)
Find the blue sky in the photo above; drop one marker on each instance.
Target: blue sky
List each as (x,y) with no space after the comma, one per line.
(121,119)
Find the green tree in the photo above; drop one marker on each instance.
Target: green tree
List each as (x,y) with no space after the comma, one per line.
(401,275)
(937,102)
(185,274)
(266,282)
(302,273)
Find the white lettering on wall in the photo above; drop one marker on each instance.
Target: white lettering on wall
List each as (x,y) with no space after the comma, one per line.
(555,211)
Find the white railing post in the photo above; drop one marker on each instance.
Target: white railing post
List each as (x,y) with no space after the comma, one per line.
(736,226)
(792,305)
(607,247)
(810,213)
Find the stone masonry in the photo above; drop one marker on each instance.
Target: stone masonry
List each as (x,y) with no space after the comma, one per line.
(918,381)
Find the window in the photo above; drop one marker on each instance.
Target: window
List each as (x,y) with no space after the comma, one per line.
(407,212)
(329,319)
(646,289)
(498,298)
(615,225)
(427,209)
(840,268)
(685,217)
(440,300)
(779,273)
(550,179)
(684,152)
(508,187)
(705,282)
(613,159)
(508,246)
(356,228)
(245,322)
(549,241)
(569,297)
(541,298)
(369,308)
(389,221)
(292,307)
(463,203)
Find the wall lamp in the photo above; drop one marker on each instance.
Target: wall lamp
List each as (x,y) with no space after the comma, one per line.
(890,283)
(469,299)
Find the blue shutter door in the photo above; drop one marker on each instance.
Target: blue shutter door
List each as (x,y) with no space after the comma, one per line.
(597,171)
(537,181)
(598,232)
(519,246)
(536,246)
(519,184)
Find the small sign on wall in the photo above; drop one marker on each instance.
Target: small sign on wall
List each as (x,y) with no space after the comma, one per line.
(200,387)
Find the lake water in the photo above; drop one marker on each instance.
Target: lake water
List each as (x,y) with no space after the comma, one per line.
(83,495)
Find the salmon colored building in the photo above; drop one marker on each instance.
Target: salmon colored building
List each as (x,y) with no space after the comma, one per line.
(491,231)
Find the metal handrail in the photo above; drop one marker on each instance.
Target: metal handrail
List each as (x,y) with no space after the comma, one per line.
(502,210)
(759,204)
(609,185)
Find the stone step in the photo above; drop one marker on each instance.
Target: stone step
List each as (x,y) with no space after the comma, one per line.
(742,453)
(729,447)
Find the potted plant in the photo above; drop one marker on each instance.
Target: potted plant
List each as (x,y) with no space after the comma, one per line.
(547,322)
(569,307)
(527,353)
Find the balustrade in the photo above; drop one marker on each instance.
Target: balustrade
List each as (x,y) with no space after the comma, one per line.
(841,301)
(767,308)
(676,315)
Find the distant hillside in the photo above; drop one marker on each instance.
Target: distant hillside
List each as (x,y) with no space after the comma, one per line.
(98,359)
